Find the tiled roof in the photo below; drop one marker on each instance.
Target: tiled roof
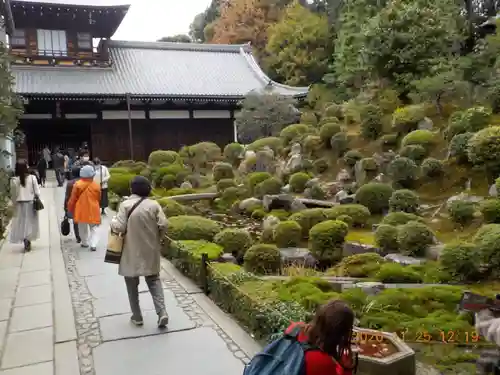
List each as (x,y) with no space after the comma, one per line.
(157,69)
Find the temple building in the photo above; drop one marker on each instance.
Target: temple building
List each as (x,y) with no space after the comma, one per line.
(125,98)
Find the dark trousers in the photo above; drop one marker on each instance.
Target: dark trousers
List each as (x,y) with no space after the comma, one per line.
(155,289)
(76,230)
(59,176)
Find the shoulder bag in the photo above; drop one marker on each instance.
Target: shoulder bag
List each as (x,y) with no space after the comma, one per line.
(117,240)
(37,202)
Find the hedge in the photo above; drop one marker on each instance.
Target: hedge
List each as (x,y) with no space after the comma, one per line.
(186,227)
(357,212)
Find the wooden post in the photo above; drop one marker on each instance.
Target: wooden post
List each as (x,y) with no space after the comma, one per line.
(131,140)
(204,273)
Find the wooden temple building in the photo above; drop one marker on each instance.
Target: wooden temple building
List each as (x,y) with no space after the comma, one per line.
(124,98)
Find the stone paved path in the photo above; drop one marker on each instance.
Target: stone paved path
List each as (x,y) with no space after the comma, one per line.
(63,311)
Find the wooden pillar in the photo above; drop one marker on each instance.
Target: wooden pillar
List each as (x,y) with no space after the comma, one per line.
(131,138)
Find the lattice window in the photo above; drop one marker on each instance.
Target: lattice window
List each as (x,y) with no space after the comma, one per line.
(84,40)
(18,38)
(52,42)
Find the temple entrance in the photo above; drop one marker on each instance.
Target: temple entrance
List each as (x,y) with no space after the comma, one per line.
(54,133)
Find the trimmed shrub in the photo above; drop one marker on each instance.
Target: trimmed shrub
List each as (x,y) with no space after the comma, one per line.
(171,207)
(326,240)
(497,185)
(424,138)
(390,139)
(308,218)
(358,213)
(308,118)
(316,192)
(258,214)
(375,196)
(484,148)
(371,121)
(432,168)
(222,171)
(234,241)
(404,200)
(230,194)
(168,182)
(232,153)
(295,133)
(416,153)
(400,218)
(120,183)
(178,171)
(255,178)
(397,273)
(386,238)
(271,186)
(312,145)
(484,231)
(414,238)
(339,143)
(352,157)
(406,119)
(461,261)
(320,166)
(262,259)
(119,170)
(225,183)
(346,219)
(298,182)
(461,212)
(186,227)
(369,164)
(274,143)
(490,209)
(287,234)
(328,130)
(487,241)
(280,214)
(334,110)
(159,157)
(470,120)
(403,171)
(198,247)
(458,147)
(360,265)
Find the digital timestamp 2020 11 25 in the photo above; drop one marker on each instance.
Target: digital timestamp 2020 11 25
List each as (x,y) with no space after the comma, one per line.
(446,337)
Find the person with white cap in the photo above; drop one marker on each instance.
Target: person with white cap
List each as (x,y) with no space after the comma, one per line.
(84,205)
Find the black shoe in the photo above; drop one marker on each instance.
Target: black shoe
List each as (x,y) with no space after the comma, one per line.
(27,245)
(93,249)
(78,240)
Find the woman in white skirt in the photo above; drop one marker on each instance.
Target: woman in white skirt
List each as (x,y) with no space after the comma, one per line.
(23,190)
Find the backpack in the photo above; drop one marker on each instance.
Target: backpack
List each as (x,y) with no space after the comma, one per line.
(285,356)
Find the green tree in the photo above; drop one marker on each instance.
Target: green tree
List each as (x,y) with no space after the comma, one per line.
(299,46)
(202,20)
(179,38)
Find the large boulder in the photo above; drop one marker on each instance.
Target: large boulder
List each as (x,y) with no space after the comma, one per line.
(296,256)
(282,202)
(246,204)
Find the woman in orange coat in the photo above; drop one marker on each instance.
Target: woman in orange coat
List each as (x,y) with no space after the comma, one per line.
(84,204)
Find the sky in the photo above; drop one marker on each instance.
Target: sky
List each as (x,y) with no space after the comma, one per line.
(149,20)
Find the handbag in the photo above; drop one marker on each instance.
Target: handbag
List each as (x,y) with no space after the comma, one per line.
(37,202)
(117,240)
(65,229)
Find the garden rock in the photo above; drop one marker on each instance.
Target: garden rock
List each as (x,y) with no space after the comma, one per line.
(425,124)
(349,199)
(194,197)
(286,188)
(297,206)
(277,202)
(434,252)
(297,256)
(343,176)
(403,259)
(493,191)
(186,185)
(359,173)
(370,288)
(316,203)
(270,222)
(265,160)
(464,197)
(246,204)
(312,182)
(342,194)
(295,160)
(227,258)
(353,248)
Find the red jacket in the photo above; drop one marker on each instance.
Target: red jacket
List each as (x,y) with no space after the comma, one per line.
(320,363)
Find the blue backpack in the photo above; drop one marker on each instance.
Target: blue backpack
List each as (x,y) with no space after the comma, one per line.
(285,356)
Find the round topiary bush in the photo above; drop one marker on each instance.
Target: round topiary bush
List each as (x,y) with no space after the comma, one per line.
(230,194)
(271,186)
(484,148)
(461,212)
(346,219)
(403,171)
(172,208)
(120,183)
(490,209)
(186,227)
(316,192)
(400,218)
(424,138)
(262,259)
(375,196)
(414,238)
(326,240)
(328,130)
(432,168)
(416,153)
(308,218)
(234,241)
(405,119)
(295,133)
(287,234)
(255,178)
(404,200)
(369,164)
(397,273)
(390,139)
(177,170)
(470,120)
(461,261)
(159,157)
(274,143)
(371,121)
(333,110)
(458,147)
(339,143)
(487,240)
(298,182)
(224,184)
(232,153)
(167,182)
(312,145)
(357,212)
(386,238)
(308,118)
(360,265)
(320,166)
(352,157)
(222,171)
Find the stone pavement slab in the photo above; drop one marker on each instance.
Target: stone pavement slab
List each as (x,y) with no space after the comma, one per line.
(193,352)
(29,347)
(31,317)
(102,286)
(5,307)
(33,295)
(46,368)
(118,304)
(35,278)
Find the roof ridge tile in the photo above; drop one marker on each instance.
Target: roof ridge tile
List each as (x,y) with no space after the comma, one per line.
(174,46)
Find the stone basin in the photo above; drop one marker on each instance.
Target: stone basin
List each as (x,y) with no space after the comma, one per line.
(401,362)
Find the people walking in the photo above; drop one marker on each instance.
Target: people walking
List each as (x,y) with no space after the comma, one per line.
(42,169)
(84,205)
(58,164)
(46,155)
(69,189)
(102,176)
(144,224)
(66,166)
(24,191)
